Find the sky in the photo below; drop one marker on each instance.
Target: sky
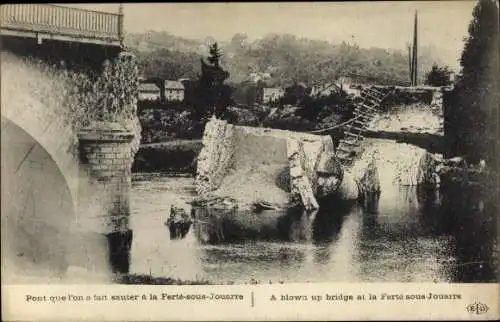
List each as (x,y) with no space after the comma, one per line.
(384,24)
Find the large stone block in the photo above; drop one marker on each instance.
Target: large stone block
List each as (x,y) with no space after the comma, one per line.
(231,153)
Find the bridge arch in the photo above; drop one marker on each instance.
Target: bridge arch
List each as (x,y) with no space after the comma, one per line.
(38,206)
(30,101)
(40,172)
(49,134)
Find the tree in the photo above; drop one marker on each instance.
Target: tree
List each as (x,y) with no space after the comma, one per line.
(294,94)
(438,76)
(476,93)
(215,55)
(212,95)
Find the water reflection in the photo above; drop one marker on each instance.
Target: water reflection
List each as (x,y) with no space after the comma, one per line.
(470,216)
(410,238)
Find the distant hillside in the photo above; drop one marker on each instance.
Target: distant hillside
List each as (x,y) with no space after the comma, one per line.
(286,58)
(153,40)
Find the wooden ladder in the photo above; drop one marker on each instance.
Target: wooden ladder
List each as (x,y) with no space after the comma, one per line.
(354,131)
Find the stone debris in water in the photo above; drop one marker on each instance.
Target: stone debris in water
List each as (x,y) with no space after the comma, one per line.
(397,163)
(253,183)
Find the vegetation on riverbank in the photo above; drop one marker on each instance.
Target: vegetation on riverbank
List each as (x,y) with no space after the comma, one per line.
(296,111)
(171,156)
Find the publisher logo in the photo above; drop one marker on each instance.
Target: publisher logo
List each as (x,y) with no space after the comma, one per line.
(477,308)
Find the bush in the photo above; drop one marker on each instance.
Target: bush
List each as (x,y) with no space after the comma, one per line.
(160,125)
(178,155)
(242,116)
(438,76)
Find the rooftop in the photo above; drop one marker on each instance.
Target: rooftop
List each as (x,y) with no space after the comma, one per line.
(148,87)
(169,84)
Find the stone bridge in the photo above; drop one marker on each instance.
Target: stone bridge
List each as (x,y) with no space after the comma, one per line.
(44,168)
(45,22)
(80,38)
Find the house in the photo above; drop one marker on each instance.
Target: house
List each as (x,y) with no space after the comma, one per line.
(325,89)
(174,91)
(453,77)
(348,86)
(256,77)
(270,94)
(344,82)
(149,92)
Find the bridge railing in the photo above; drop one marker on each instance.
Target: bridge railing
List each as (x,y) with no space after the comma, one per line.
(59,20)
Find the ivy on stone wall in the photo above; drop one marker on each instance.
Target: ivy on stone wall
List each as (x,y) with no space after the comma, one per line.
(57,97)
(110,96)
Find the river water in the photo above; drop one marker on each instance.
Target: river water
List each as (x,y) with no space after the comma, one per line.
(407,240)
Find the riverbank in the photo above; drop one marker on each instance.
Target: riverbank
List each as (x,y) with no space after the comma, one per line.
(171,156)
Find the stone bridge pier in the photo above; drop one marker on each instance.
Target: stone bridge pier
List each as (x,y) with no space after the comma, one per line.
(104,195)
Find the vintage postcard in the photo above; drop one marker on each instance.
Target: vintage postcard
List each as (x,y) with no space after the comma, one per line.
(250,161)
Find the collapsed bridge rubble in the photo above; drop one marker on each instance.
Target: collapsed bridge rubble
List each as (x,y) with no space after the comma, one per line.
(253,180)
(240,162)
(242,165)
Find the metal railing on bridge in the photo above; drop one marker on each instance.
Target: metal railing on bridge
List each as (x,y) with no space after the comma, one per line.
(59,21)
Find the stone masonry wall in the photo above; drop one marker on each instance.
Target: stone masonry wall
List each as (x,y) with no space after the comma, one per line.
(301,187)
(311,144)
(104,205)
(215,157)
(107,159)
